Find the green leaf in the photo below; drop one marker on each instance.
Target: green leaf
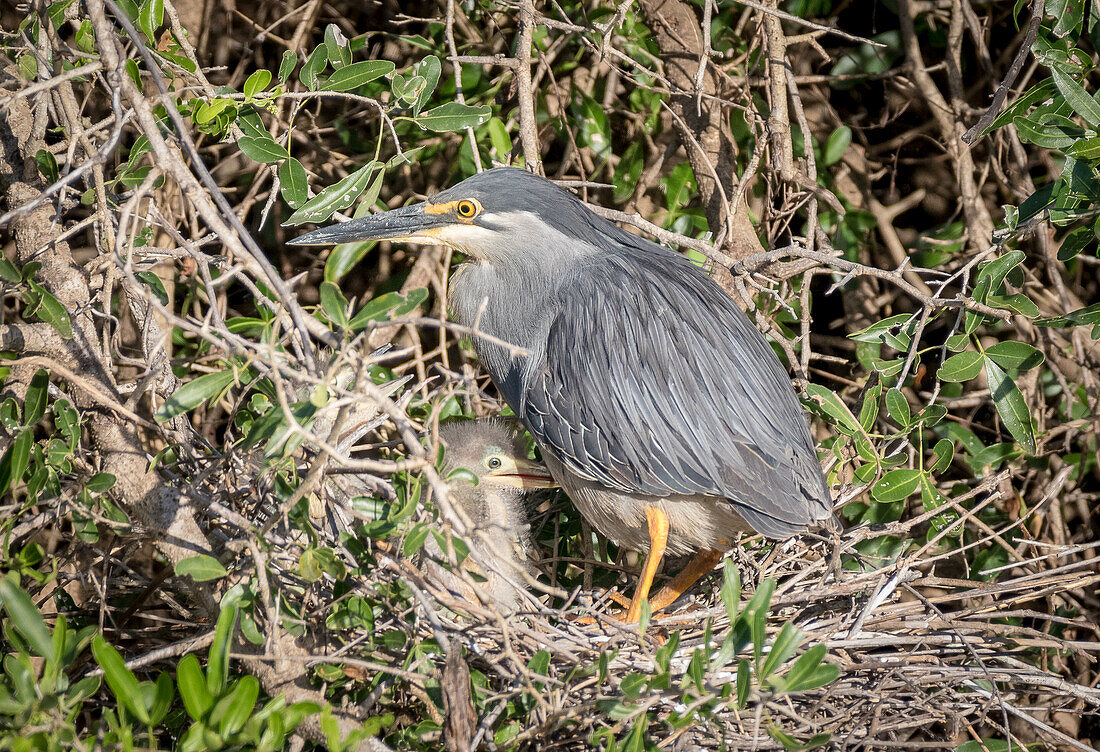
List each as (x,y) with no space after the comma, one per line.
(743,683)
(264,150)
(896,485)
(197,699)
(217,667)
(755,615)
(194,393)
(453,116)
(1017,302)
(632,685)
(314,65)
(1087,316)
(47,162)
(942,455)
(1011,406)
(1014,357)
(808,672)
(429,69)
(838,143)
(34,406)
(355,75)
(233,710)
(46,307)
(293,183)
(124,685)
(996,271)
(334,304)
(211,110)
(414,541)
(163,695)
(987,745)
(27,620)
(257,83)
(150,18)
(898,407)
(783,647)
(201,568)
(1077,98)
(156,284)
(337,196)
(8,272)
(1076,241)
(961,367)
(731,589)
(388,305)
(831,405)
(286,65)
(15,460)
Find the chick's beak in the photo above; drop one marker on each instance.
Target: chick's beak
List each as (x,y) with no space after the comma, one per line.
(409,224)
(527,474)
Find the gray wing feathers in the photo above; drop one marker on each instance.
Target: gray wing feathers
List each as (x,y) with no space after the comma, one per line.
(657,384)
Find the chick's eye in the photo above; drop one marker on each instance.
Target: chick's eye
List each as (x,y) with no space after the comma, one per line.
(466,209)
(494,463)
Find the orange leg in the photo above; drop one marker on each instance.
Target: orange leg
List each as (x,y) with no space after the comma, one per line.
(699,565)
(658,541)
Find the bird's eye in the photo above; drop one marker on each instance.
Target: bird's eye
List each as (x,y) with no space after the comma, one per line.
(467,209)
(494,463)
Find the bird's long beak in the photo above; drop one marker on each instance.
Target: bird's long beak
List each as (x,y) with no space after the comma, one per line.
(527,474)
(409,224)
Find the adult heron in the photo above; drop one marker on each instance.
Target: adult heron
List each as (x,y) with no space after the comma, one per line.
(658,406)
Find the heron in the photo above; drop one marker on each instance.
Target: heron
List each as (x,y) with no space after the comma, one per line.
(659,408)
(493,450)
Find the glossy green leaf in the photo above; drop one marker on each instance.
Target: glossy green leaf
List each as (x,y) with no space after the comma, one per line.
(191,682)
(1087,316)
(337,196)
(782,648)
(124,685)
(293,185)
(808,672)
(898,407)
(1011,406)
(334,304)
(256,83)
(355,75)
(961,367)
(896,485)
(264,150)
(1079,99)
(286,65)
(217,667)
(201,568)
(232,711)
(15,460)
(838,142)
(34,406)
(453,116)
(194,393)
(27,619)
(44,305)
(388,305)
(831,404)
(1014,357)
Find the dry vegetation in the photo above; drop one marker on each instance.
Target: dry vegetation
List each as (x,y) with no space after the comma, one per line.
(193,413)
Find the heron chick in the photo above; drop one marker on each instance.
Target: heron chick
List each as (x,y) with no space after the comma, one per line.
(659,408)
(493,450)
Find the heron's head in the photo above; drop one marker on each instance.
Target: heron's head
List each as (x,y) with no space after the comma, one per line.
(494,451)
(495,216)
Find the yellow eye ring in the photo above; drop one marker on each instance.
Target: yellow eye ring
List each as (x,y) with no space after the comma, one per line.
(467,209)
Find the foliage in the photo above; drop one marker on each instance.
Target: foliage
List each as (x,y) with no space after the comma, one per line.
(180,387)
